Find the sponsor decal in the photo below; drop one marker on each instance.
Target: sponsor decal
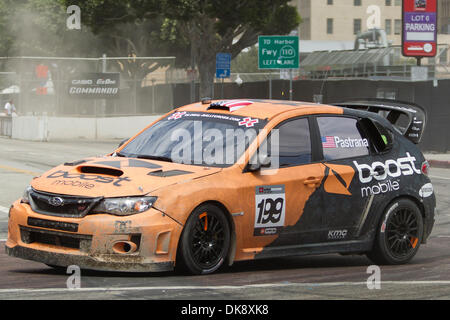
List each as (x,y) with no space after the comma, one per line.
(270,205)
(95,85)
(385,187)
(343,143)
(338,179)
(337,234)
(245,122)
(248,122)
(122,226)
(73,179)
(380,171)
(426,191)
(176,116)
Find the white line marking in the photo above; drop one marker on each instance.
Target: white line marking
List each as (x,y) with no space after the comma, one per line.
(4,210)
(251,286)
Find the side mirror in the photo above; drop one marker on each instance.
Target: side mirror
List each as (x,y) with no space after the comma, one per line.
(263,161)
(122,142)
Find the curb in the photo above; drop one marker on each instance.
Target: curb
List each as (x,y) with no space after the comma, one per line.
(439,164)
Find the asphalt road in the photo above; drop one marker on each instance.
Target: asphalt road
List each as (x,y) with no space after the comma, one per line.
(316,277)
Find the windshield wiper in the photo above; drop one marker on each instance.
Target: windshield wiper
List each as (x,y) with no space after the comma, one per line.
(118,154)
(161,158)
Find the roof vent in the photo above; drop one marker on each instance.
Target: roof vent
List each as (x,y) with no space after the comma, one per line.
(230,105)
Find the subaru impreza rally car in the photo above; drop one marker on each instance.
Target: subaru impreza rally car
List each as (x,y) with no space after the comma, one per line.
(216,182)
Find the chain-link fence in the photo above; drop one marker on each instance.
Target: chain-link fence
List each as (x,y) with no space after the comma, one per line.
(87,86)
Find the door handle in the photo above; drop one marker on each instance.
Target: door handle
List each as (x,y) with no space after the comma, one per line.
(312,181)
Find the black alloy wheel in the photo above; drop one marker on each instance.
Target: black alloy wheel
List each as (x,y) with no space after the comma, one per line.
(402,232)
(205,240)
(399,233)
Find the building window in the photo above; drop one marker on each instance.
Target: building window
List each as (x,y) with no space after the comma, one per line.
(398,26)
(388,2)
(329,2)
(356,26)
(388,26)
(329,26)
(398,2)
(357,2)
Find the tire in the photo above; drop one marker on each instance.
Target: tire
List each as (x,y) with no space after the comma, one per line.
(398,234)
(205,241)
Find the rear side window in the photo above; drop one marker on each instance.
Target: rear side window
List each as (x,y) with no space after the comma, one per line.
(341,138)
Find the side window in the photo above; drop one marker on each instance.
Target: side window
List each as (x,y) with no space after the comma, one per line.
(294,143)
(341,138)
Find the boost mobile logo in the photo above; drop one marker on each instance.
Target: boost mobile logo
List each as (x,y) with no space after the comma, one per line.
(393,168)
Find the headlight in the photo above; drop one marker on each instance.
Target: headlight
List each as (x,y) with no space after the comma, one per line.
(26,195)
(124,206)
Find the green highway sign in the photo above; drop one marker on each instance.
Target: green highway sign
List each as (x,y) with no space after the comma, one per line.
(278,52)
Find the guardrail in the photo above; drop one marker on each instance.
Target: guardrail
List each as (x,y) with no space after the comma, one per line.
(5,126)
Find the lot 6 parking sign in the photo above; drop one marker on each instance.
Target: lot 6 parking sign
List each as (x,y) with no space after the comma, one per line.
(419,37)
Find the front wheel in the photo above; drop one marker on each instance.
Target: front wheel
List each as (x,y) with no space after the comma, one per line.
(399,234)
(205,240)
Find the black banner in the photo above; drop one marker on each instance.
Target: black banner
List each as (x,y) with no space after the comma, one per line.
(95,86)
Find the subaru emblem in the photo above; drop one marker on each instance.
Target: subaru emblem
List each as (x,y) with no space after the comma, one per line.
(56,201)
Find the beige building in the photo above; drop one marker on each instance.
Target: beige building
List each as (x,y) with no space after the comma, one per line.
(342,20)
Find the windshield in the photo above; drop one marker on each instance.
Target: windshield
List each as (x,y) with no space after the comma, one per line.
(196,138)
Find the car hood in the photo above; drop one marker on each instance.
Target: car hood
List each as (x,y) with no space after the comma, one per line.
(116,177)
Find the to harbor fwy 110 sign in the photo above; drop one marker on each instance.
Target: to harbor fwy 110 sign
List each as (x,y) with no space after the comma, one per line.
(419,28)
(278,52)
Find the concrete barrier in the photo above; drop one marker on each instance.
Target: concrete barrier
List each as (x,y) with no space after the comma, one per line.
(43,128)
(5,126)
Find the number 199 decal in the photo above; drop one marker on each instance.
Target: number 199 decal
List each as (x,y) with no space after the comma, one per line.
(269,210)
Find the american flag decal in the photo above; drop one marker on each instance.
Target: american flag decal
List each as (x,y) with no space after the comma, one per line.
(328,142)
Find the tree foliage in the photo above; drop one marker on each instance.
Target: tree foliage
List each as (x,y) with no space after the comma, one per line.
(187,29)
(214,26)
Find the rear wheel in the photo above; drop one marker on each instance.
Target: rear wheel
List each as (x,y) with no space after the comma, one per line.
(399,234)
(205,240)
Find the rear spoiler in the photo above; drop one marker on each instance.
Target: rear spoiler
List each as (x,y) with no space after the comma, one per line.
(393,110)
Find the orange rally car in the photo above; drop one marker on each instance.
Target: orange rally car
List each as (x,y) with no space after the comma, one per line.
(222,181)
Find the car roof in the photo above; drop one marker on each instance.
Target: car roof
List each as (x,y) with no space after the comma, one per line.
(263,109)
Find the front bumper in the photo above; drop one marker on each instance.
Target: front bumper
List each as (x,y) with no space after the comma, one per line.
(91,242)
(86,262)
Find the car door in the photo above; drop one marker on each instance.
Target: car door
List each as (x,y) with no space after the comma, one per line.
(275,197)
(345,205)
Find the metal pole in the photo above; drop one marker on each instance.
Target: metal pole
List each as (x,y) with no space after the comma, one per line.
(270,85)
(192,73)
(103,111)
(290,84)
(153,97)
